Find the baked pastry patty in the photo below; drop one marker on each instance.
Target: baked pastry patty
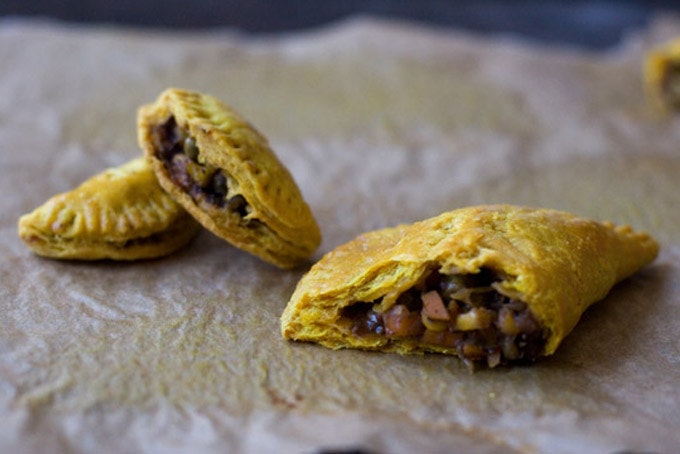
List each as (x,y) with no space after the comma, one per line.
(119,214)
(493,284)
(223,171)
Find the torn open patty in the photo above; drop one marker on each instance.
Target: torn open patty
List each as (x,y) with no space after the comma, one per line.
(203,182)
(463,313)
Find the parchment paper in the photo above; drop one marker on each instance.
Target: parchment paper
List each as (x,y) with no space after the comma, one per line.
(380,123)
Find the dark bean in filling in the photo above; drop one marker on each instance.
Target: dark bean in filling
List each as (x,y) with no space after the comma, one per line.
(460,312)
(179,154)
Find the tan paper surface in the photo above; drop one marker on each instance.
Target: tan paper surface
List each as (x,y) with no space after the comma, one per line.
(380,123)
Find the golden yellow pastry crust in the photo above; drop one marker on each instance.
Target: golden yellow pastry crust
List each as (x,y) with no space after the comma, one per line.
(120,214)
(661,72)
(555,262)
(274,222)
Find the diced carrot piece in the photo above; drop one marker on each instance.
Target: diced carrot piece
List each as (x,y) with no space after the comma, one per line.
(400,322)
(433,306)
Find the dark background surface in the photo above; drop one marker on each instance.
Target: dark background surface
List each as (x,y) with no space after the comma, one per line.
(577,23)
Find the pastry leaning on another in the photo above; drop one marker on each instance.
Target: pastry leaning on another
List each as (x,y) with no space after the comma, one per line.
(223,171)
(119,214)
(495,284)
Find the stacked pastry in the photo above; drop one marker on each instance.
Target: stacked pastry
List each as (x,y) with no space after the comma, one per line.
(204,165)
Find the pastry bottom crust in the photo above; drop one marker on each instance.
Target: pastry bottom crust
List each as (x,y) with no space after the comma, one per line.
(157,245)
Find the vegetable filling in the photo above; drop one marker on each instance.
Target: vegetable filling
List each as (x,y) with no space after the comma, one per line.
(671,84)
(463,313)
(202,181)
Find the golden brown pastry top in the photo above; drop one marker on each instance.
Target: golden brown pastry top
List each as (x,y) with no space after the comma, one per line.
(556,262)
(121,213)
(287,232)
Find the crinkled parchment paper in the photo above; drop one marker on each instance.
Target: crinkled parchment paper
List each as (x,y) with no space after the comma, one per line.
(380,123)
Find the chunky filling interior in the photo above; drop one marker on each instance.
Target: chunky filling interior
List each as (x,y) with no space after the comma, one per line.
(671,84)
(461,312)
(202,181)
